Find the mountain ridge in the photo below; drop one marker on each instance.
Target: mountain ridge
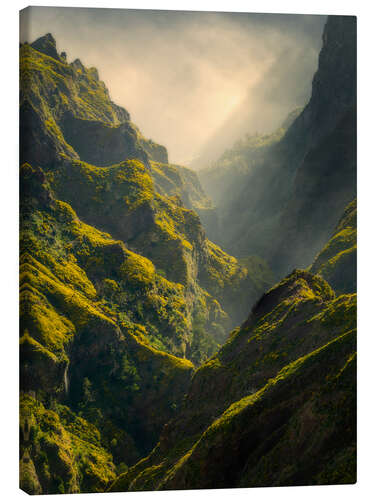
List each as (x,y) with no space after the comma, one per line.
(129,380)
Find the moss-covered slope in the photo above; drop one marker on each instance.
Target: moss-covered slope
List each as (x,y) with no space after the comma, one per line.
(286,371)
(98,325)
(337,262)
(129,190)
(119,286)
(299,429)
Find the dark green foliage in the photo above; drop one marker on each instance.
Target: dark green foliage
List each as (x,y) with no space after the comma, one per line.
(284,406)
(337,262)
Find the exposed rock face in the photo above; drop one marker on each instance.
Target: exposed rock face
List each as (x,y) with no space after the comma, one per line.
(101,144)
(47,45)
(298,188)
(334,87)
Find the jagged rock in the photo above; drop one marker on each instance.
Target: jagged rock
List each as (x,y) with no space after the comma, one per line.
(47,45)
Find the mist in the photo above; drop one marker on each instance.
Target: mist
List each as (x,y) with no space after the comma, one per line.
(192,81)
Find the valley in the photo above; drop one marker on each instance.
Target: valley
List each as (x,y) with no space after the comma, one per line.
(181,329)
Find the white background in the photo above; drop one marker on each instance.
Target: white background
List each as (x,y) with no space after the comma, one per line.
(365,488)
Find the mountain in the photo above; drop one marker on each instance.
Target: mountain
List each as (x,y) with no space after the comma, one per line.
(121,291)
(128,377)
(284,411)
(293,186)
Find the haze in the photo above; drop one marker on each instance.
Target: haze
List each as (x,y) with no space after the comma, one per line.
(192,81)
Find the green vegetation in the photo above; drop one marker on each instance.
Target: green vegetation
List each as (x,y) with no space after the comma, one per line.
(124,304)
(287,374)
(61,452)
(337,261)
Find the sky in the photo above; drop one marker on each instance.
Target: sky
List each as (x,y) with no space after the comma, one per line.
(192,81)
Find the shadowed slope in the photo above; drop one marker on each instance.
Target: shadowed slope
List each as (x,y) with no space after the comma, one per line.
(294,353)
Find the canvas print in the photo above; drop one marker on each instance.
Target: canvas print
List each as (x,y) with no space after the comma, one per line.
(188,250)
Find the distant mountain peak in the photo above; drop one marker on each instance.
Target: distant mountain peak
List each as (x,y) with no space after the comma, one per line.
(47,45)
(77,64)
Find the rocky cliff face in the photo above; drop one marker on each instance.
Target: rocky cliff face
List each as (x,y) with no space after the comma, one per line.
(147,203)
(298,188)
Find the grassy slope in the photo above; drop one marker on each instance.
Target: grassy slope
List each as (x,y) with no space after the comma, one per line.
(337,261)
(85,348)
(287,370)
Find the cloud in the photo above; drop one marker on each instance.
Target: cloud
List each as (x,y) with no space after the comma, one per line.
(183,75)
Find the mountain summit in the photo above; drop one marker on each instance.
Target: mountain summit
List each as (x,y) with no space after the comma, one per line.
(46,45)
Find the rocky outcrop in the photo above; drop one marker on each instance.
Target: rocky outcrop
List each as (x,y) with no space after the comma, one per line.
(46,44)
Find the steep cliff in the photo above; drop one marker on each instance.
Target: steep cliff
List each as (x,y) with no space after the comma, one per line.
(295,189)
